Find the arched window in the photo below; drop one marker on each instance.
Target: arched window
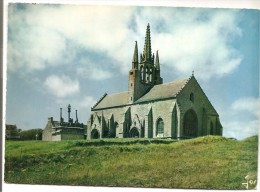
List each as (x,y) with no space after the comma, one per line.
(192,97)
(142,73)
(151,75)
(147,74)
(160,127)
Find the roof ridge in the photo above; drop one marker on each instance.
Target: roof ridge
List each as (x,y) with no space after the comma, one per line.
(99,100)
(187,80)
(173,82)
(117,93)
(206,96)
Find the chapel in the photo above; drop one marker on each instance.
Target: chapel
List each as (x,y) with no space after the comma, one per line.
(153,109)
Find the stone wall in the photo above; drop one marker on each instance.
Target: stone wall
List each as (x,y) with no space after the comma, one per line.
(200,104)
(47,132)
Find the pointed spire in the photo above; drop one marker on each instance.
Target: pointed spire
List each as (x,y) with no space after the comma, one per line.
(135,57)
(69,110)
(157,62)
(147,45)
(77,116)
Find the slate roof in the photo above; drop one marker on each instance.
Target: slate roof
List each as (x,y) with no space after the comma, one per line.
(112,100)
(158,92)
(163,91)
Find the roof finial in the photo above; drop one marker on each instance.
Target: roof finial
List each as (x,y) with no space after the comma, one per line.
(192,72)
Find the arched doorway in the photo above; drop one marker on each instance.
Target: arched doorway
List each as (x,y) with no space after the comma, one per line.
(134,132)
(190,124)
(95,134)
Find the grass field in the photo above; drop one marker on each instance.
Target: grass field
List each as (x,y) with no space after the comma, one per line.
(210,162)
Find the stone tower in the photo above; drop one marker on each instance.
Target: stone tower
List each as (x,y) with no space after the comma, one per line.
(144,75)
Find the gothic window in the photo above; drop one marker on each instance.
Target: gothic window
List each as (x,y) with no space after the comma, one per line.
(147,74)
(142,73)
(160,127)
(151,75)
(192,97)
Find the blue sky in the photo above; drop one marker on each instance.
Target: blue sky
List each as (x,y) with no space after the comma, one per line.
(67,54)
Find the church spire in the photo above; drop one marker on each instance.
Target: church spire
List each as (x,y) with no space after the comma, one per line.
(147,55)
(135,57)
(157,62)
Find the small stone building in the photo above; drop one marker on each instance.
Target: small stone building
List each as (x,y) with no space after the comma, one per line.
(151,108)
(60,130)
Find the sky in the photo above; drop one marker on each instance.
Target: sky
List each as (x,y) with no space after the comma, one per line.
(73,54)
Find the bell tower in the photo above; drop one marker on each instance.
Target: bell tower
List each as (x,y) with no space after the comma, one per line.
(144,75)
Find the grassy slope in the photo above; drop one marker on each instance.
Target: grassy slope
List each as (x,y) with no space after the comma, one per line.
(211,162)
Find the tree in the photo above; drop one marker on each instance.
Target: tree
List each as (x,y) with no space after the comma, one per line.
(32,134)
(12,132)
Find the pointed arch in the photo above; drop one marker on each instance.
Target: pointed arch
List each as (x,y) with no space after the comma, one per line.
(174,119)
(190,124)
(95,134)
(159,127)
(134,133)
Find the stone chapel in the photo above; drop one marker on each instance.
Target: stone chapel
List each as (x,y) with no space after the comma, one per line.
(153,109)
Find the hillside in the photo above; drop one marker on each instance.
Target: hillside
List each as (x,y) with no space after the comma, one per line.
(210,162)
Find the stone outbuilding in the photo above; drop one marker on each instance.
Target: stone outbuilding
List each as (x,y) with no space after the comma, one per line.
(151,108)
(61,130)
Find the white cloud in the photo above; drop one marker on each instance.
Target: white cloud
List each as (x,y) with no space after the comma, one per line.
(203,46)
(247,104)
(187,39)
(241,119)
(61,86)
(87,102)
(40,35)
(241,129)
(94,73)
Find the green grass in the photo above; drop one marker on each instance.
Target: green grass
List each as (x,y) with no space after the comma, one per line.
(210,162)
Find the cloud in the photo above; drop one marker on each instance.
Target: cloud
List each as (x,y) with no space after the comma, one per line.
(94,73)
(247,104)
(241,119)
(61,86)
(241,130)
(203,43)
(87,102)
(42,36)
